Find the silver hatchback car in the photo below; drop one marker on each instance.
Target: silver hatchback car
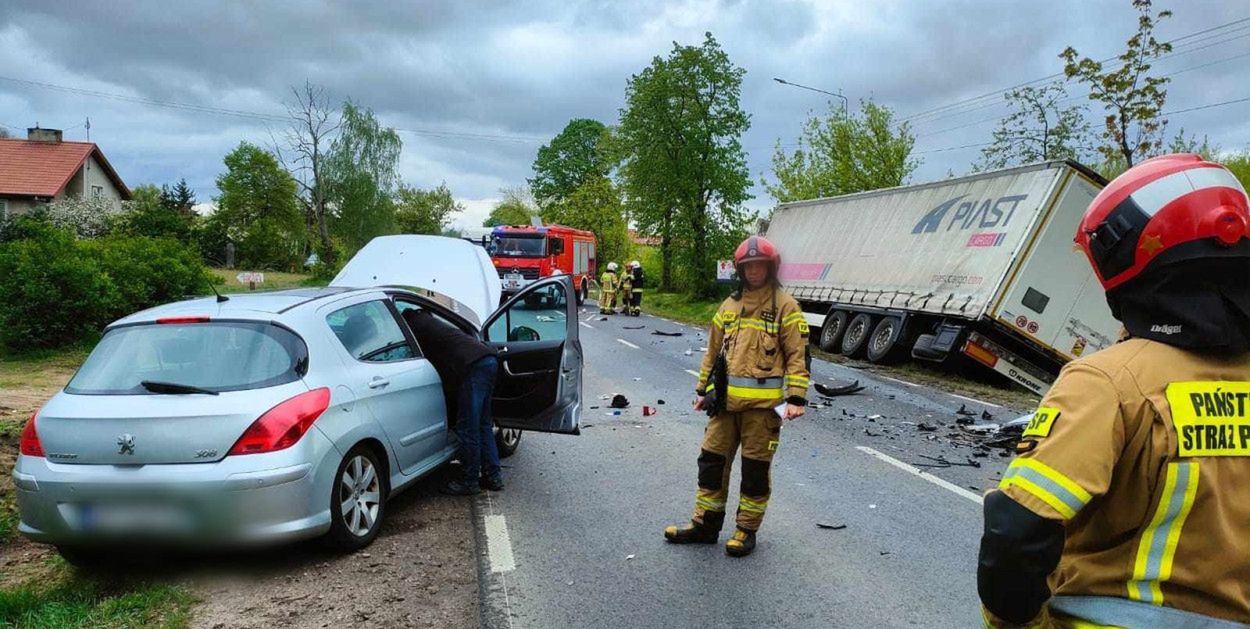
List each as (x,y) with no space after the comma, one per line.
(286,415)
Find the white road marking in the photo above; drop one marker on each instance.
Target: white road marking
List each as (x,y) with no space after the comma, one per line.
(591,317)
(626,343)
(586,325)
(499,545)
(692,372)
(960,491)
(910,384)
(974,400)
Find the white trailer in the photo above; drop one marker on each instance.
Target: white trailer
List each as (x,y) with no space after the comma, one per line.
(982,266)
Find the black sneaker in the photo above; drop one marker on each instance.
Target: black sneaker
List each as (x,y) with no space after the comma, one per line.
(459,488)
(492,484)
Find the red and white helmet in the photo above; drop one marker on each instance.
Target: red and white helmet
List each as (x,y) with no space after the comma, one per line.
(1167,209)
(757,248)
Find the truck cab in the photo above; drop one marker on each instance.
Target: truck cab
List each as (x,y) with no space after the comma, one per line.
(523,254)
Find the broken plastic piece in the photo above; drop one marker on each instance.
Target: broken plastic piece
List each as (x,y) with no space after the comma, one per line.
(663,333)
(830,527)
(828,391)
(619,401)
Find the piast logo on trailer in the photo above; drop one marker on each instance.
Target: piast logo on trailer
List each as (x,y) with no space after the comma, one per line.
(970,214)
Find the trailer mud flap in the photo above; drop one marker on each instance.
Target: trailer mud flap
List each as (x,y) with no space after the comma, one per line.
(1016,369)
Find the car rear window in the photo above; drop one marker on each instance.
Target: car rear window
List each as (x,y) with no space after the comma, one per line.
(217,355)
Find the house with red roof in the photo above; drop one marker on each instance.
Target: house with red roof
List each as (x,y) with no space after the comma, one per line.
(44,168)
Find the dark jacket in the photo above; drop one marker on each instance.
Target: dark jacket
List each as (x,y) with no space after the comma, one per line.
(448,348)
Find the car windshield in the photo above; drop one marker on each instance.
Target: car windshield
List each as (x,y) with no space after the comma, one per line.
(518,246)
(215,356)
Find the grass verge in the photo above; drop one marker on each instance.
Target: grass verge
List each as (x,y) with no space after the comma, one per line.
(227,281)
(52,594)
(680,307)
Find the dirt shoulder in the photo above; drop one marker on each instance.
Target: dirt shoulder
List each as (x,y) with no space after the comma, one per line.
(420,572)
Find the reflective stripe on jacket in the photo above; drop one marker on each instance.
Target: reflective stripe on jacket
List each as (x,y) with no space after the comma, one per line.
(766,349)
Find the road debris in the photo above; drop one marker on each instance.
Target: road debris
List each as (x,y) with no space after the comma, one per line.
(963,410)
(629,557)
(829,391)
(648,411)
(664,333)
(619,401)
(830,527)
(633,327)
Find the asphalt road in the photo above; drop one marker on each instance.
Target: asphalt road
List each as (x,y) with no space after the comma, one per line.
(576,538)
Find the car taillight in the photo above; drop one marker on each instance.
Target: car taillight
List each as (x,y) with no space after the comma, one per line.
(283,425)
(30,445)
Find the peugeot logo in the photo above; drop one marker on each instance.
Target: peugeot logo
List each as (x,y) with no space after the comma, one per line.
(126,444)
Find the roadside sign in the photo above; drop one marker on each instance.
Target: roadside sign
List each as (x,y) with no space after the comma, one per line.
(725,271)
(251,278)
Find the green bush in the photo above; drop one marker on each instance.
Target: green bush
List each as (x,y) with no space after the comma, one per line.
(57,291)
(149,271)
(52,292)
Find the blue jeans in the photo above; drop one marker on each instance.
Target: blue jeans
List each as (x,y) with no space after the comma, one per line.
(479,456)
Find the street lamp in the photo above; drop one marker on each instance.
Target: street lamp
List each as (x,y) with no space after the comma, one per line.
(845,104)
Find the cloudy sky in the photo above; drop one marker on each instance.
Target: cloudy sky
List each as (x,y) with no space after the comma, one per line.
(477,85)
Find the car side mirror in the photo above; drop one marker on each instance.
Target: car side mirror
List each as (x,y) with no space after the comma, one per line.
(523,334)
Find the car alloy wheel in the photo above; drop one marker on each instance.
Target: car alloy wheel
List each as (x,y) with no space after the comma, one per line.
(507,440)
(360,495)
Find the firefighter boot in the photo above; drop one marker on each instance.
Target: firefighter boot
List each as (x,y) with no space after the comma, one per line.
(741,544)
(704,532)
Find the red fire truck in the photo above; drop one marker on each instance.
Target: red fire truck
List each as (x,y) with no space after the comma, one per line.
(524,253)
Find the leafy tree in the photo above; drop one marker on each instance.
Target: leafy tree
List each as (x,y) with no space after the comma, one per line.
(515,208)
(684,173)
(420,211)
(4,133)
(571,159)
(1239,164)
(1037,129)
(1191,144)
(85,217)
(361,171)
(844,153)
(259,209)
(154,212)
(595,206)
(1132,99)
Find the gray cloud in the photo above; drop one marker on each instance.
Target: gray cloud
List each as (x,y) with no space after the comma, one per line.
(523,69)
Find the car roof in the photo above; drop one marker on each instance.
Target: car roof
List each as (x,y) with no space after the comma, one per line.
(259,305)
(269,305)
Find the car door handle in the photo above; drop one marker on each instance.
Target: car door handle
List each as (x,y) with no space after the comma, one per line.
(378,383)
(508,370)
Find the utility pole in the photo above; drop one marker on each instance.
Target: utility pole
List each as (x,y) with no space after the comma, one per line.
(845,103)
(88,127)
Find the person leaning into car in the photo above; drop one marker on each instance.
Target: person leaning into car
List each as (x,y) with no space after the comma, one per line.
(468,368)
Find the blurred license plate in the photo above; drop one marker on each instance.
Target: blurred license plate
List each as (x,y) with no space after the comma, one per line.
(125,518)
(512,280)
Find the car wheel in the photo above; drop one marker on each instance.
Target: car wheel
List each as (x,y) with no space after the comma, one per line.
(832,330)
(584,293)
(855,340)
(507,440)
(358,500)
(888,344)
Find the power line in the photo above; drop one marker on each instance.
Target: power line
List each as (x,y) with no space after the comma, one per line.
(1201,107)
(253,115)
(969,100)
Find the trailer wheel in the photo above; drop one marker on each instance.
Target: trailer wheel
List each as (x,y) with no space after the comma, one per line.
(858,331)
(888,344)
(832,330)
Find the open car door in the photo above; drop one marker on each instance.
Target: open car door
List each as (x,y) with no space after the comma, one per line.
(540,358)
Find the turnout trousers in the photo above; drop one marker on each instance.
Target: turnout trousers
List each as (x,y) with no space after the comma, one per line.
(758,432)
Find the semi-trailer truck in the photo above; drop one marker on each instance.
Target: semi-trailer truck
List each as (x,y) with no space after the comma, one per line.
(981,267)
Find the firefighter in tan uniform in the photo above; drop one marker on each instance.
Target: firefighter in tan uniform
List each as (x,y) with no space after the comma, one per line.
(1129,503)
(607,290)
(756,363)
